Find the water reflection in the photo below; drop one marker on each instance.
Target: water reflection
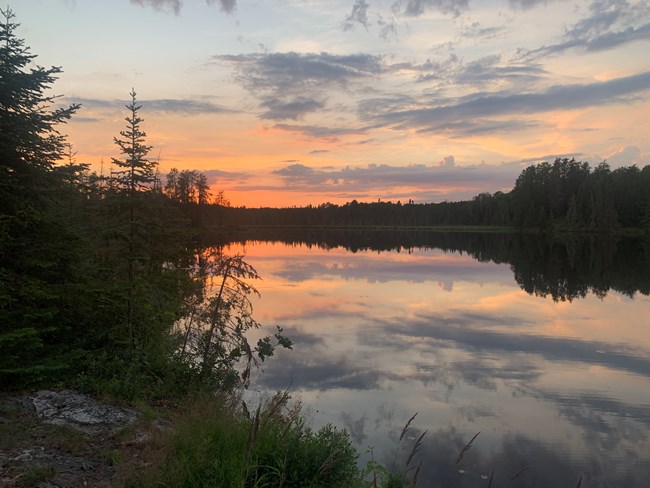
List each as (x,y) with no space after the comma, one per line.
(561,388)
(564,268)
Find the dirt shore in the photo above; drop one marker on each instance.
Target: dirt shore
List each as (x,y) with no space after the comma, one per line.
(63,439)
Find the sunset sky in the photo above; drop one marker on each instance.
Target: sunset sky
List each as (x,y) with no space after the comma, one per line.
(295,102)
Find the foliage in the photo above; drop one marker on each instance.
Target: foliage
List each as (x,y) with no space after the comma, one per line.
(37,475)
(29,139)
(96,271)
(190,190)
(135,172)
(216,443)
(187,187)
(214,336)
(40,245)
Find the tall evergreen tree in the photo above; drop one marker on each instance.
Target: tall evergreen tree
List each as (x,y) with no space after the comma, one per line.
(37,250)
(135,171)
(135,176)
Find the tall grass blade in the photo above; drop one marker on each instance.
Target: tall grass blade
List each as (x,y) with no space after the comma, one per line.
(519,473)
(416,475)
(416,448)
(254,429)
(406,427)
(467,447)
(276,404)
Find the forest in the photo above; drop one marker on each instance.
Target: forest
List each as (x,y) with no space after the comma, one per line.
(98,271)
(563,195)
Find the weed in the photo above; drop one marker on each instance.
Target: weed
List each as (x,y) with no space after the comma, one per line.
(382,477)
(64,438)
(216,443)
(113,456)
(36,475)
(466,449)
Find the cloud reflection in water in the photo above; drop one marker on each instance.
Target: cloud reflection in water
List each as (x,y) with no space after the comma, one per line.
(563,388)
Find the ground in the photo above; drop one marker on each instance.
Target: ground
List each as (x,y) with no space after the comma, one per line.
(62,439)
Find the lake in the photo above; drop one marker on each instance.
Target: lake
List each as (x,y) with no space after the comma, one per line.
(541,346)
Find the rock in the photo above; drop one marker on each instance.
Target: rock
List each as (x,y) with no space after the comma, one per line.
(80,411)
(72,457)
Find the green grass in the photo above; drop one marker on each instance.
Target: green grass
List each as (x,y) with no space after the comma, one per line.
(218,442)
(36,475)
(63,437)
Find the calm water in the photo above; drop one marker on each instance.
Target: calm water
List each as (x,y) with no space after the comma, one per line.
(543,348)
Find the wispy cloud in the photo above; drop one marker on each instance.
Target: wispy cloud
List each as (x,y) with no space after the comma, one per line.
(610,23)
(175,6)
(294,109)
(373,176)
(486,106)
(327,373)
(487,71)
(298,71)
(526,4)
(183,107)
(358,15)
(164,105)
(618,357)
(290,85)
(476,30)
(227,6)
(320,132)
(414,8)
(161,5)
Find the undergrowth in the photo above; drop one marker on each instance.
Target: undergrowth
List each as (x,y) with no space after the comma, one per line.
(219,443)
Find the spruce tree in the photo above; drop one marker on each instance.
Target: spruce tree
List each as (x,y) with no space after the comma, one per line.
(37,252)
(135,172)
(135,176)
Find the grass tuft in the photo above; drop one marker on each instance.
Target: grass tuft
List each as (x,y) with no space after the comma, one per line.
(217,443)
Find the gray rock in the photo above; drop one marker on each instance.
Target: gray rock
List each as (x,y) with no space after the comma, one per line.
(80,411)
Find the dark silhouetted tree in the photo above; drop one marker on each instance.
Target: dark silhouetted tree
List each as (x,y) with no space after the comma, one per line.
(135,176)
(37,249)
(135,173)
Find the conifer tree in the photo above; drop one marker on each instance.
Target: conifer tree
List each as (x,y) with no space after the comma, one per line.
(135,172)
(28,125)
(135,176)
(36,250)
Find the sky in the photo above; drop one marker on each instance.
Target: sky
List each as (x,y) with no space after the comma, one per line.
(297,102)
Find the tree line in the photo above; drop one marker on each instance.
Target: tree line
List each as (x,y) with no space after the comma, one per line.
(565,194)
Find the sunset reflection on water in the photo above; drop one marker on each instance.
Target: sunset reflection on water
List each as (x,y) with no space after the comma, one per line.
(560,387)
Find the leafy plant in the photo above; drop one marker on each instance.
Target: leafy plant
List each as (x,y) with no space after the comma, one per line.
(215,332)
